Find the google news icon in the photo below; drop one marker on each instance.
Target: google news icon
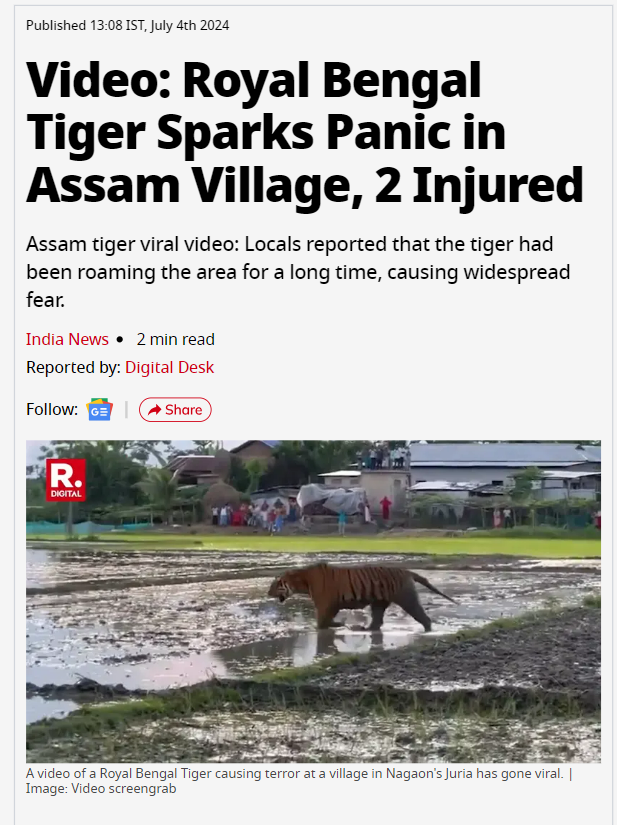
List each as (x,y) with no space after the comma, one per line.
(99,409)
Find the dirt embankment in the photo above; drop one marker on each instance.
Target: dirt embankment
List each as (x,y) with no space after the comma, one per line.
(558,651)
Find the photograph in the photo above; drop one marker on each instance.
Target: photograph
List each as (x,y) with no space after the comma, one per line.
(313,601)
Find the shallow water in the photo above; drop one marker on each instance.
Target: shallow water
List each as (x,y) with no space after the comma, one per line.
(217,619)
(38,707)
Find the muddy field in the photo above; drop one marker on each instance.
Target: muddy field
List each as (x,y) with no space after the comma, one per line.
(157,620)
(307,735)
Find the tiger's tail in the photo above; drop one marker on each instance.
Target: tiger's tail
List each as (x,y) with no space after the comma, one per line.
(421,580)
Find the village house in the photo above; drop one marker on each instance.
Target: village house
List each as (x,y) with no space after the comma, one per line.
(455,489)
(250,450)
(377,484)
(342,478)
(472,469)
(496,464)
(557,484)
(195,469)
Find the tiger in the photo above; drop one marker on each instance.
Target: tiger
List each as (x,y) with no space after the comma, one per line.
(353,588)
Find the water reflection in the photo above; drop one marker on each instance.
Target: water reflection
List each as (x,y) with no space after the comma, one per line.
(38,707)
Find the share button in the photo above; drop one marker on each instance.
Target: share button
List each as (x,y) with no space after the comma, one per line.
(164,408)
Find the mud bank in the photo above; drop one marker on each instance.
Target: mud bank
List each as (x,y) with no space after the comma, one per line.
(534,703)
(298,736)
(558,651)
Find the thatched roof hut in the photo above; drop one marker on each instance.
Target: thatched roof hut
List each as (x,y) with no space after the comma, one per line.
(221,494)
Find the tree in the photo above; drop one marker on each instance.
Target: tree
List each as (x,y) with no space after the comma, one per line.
(239,477)
(35,491)
(111,472)
(161,489)
(255,469)
(523,483)
(111,477)
(142,451)
(200,448)
(300,462)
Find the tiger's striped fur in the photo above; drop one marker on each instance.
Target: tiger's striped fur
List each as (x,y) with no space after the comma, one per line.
(355,587)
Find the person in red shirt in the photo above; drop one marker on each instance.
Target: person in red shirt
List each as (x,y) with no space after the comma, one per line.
(385,507)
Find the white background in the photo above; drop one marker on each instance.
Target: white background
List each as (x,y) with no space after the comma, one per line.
(347,360)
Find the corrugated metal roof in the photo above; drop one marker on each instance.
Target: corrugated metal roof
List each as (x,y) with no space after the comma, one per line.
(567,474)
(503,455)
(445,486)
(192,463)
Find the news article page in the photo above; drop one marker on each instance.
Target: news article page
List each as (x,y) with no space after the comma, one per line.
(380,237)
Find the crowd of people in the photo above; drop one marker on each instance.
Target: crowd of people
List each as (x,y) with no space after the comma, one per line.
(266,517)
(272,517)
(385,458)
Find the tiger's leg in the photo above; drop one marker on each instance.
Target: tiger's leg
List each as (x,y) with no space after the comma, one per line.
(325,617)
(408,599)
(377,611)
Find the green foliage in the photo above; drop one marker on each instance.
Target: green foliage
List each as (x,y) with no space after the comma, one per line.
(300,462)
(35,492)
(239,477)
(161,490)
(120,480)
(198,448)
(256,469)
(523,483)
(112,474)
(543,531)
(143,451)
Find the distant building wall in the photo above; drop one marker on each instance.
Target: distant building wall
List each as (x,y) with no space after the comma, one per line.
(555,488)
(480,475)
(341,481)
(458,494)
(382,483)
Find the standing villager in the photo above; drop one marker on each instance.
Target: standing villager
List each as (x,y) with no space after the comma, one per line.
(385,508)
(342,521)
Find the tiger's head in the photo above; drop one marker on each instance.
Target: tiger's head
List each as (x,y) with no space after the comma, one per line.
(293,581)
